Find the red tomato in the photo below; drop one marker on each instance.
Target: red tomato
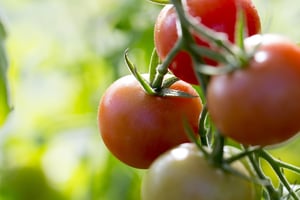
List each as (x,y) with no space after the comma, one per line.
(219,15)
(184,173)
(259,104)
(137,127)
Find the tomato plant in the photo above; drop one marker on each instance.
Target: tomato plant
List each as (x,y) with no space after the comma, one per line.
(259,104)
(252,97)
(184,173)
(219,15)
(137,127)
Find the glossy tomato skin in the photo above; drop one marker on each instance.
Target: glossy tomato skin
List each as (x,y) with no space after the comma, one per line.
(137,127)
(219,15)
(184,173)
(259,105)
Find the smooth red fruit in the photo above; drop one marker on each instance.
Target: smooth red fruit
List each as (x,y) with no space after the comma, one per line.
(137,127)
(259,104)
(219,15)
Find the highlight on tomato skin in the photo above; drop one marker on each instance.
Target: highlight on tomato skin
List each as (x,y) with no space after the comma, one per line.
(184,173)
(219,15)
(259,104)
(137,127)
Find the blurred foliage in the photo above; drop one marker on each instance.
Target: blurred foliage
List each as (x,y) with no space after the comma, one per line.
(62,55)
(4,104)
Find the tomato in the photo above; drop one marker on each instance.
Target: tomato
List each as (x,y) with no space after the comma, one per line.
(137,127)
(219,15)
(184,173)
(259,104)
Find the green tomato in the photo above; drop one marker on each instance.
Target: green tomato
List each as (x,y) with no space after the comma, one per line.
(183,173)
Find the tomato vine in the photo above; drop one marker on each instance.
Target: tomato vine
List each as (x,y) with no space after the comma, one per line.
(231,56)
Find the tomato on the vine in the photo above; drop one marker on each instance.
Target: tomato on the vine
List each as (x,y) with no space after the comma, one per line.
(259,103)
(219,15)
(137,127)
(184,173)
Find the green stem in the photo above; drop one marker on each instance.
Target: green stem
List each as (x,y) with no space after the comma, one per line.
(274,164)
(288,166)
(219,39)
(255,163)
(193,138)
(203,132)
(184,24)
(188,42)
(202,78)
(283,164)
(241,155)
(162,69)
(233,56)
(218,150)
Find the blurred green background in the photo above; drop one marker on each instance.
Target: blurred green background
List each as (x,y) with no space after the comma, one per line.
(62,55)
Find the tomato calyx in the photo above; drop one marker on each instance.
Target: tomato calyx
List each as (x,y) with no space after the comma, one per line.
(158,84)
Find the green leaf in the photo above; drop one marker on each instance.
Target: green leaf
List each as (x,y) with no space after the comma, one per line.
(4,99)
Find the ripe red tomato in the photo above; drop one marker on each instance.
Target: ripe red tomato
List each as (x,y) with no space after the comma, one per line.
(184,173)
(259,104)
(137,127)
(219,15)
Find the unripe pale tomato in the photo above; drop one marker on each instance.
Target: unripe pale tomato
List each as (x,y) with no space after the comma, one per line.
(184,173)
(259,104)
(137,127)
(219,15)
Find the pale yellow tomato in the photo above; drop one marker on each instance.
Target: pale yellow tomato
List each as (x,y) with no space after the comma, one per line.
(183,173)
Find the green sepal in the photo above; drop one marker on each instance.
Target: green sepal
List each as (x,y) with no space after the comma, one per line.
(167,92)
(169,81)
(163,91)
(154,62)
(144,83)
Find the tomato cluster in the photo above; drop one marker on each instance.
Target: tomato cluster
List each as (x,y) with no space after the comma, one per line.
(254,103)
